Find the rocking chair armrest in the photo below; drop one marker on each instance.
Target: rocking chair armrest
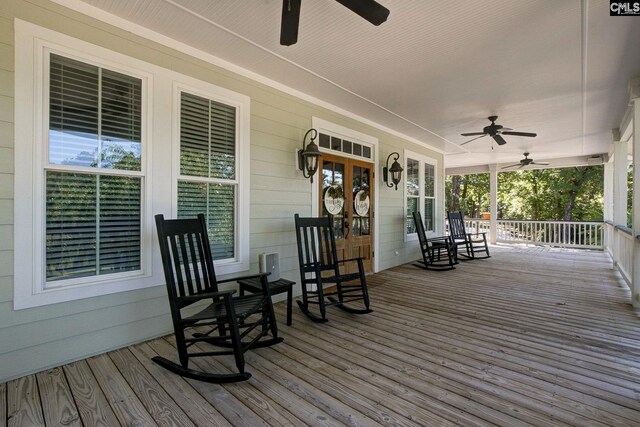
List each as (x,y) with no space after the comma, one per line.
(342,261)
(251,276)
(481,233)
(439,239)
(198,297)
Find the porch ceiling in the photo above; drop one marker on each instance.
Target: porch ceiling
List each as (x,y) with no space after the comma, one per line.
(434,69)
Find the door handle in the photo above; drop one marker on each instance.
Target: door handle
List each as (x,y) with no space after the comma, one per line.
(346,224)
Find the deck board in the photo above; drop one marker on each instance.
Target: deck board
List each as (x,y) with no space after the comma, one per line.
(58,406)
(530,336)
(91,402)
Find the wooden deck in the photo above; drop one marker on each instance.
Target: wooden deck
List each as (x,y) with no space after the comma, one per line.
(529,336)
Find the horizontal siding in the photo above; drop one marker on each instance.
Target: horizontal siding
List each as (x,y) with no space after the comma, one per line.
(51,335)
(6,134)
(6,237)
(6,57)
(6,160)
(6,186)
(6,211)
(47,313)
(6,108)
(6,289)
(56,353)
(81,323)
(6,77)
(6,266)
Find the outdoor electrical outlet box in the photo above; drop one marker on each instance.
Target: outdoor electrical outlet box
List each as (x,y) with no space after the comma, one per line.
(270,263)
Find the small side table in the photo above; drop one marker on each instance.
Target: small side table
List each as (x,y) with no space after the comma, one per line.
(279,286)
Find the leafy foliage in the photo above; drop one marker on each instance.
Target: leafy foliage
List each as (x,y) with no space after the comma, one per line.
(570,194)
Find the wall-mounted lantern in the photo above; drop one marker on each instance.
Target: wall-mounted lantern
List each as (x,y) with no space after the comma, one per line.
(395,170)
(309,155)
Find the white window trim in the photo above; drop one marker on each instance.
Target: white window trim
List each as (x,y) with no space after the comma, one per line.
(422,159)
(242,103)
(329,128)
(158,196)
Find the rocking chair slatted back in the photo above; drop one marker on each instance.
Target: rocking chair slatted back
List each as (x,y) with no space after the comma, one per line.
(190,270)
(422,235)
(316,244)
(456,225)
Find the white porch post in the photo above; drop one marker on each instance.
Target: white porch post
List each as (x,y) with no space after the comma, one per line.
(620,167)
(493,204)
(608,192)
(635,274)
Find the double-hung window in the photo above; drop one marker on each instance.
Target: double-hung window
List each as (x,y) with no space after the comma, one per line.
(208,181)
(93,172)
(82,195)
(212,172)
(420,192)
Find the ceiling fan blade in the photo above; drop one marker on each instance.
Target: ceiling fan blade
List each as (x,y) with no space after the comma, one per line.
(520,133)
(289,22)
(540,163)
(370,10)
(472,133)
(466,142)
(511,166)
(500,140)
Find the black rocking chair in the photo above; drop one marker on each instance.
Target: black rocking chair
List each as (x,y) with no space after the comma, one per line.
(438,253)
(471,245)
(319,267)
(232,324)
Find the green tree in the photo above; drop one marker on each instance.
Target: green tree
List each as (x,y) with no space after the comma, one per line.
(468,193)
(571,194)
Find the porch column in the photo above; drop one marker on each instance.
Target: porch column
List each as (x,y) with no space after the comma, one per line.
(620,166)
(608,192)
(493,204)
(635,274)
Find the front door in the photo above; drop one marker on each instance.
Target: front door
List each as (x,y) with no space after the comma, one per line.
(346,195)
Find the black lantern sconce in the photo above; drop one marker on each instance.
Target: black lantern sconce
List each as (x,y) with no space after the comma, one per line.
(395,170)
(309,155)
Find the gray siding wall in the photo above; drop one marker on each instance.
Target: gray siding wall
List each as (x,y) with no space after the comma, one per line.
(38,338)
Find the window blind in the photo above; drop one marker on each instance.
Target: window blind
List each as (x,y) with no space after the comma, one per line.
(217,202)
(413,193)
(429,196)
(95,117)
(208,152)
(207,138)
(93,224)
(93,220)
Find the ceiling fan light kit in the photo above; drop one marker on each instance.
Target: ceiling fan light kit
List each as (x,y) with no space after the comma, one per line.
(370,10)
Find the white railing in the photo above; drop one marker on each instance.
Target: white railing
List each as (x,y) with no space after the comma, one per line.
(566,234)
(620,247)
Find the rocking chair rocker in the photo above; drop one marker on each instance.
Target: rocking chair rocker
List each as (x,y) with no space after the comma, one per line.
(460,238)
(319,267)
(233,324)
(438,253)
